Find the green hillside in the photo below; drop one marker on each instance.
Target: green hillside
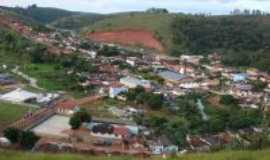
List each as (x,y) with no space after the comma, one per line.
(40,14)
(159,23)
(76,22)
(229,155)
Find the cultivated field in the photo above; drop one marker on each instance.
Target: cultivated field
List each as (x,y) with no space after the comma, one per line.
(10,113)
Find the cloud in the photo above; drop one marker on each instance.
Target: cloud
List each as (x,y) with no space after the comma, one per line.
(108,6)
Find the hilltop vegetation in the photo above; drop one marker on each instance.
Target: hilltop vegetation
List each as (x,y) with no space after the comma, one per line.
(234,36)
(77,22)
(40,14)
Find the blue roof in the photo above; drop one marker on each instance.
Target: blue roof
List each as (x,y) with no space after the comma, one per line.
(172,76)
(239,77)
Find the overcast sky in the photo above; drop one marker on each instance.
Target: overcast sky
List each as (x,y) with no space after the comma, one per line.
(108,6)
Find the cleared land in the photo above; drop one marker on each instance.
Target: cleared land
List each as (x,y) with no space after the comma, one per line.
(10,113)
(229,155)
(134,37)
(54,126)
(159,24)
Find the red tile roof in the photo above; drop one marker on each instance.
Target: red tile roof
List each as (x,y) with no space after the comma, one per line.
(123,131)
(67,104)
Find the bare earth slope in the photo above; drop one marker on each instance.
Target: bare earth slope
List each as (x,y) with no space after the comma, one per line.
(128,37)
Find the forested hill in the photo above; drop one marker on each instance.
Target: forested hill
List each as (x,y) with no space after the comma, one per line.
(203,34)
(244,40)
(41,14)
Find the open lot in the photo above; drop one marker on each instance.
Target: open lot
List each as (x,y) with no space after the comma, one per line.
(54,126)
(10,113)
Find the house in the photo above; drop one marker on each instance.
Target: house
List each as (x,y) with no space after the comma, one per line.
(162,145)
(67,107)
(121,131)
(241,90)
(115,91)
(92,54)
(171,77)
(253,72)
(189,85)
(132,61)
(191,59)
(6,79)
(132,82)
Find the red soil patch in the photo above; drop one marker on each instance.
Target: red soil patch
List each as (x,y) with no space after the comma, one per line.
(129,37)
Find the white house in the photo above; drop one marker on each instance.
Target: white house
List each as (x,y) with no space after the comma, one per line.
(189,85)
(132,61)
(67,107)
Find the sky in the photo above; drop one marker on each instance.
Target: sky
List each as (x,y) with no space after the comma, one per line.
(110,6)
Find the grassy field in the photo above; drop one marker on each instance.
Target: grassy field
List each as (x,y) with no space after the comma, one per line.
(9,113)
(158,23)
(228,155)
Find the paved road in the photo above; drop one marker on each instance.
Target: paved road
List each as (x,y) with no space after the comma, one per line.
(32,81)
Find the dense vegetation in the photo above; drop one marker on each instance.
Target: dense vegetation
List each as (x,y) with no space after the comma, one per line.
(77,22)
(234,36)
(26,139)
(50,70)
(40,14)
(185,118)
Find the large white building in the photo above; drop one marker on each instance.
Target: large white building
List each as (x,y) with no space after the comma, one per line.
(132,82)
(19,95)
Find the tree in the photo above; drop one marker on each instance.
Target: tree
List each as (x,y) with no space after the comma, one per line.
(259,85)
(12,134)
(75,122)
(228,100)
(82,116)
(28,139)
(154,101)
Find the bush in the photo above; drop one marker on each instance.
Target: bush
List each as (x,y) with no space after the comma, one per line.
(12,134)
(28,139)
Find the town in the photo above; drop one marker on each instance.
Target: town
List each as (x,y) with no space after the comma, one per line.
(132,101)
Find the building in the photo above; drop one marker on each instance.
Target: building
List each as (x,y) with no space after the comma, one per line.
(191,59)
(172,77)
(19,95)
(67,107)
(115,91)
(132,82)
(6,79)
(132,61)
(239,77)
